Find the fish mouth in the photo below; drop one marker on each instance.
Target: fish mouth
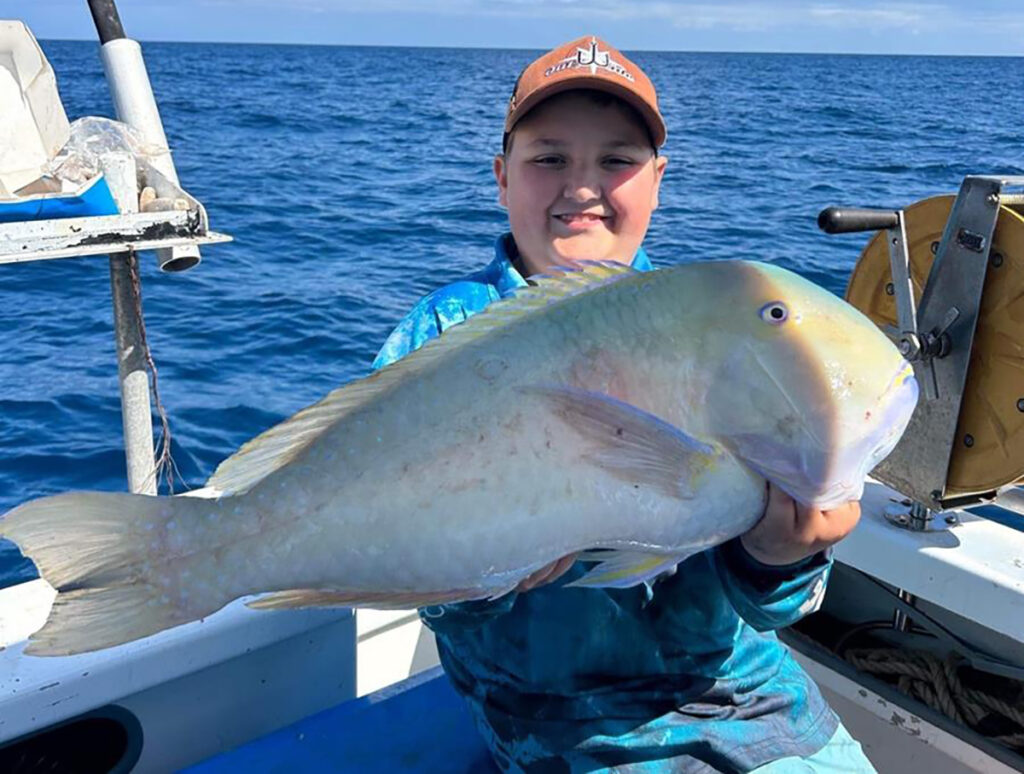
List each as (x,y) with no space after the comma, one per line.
(903,394)
(858,459)
(814,476)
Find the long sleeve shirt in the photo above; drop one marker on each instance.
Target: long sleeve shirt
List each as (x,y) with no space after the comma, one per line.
(682,675)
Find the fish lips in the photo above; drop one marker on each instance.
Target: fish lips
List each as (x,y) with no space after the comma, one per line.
(826,478)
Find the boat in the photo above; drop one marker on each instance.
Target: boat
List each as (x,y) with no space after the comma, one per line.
(918,645)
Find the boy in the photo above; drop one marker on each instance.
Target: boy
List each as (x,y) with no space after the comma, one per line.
(669,678)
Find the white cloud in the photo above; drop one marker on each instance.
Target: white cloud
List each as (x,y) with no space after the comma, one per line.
(872,17)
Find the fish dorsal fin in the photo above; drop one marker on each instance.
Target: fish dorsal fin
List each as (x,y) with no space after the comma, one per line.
(276,447)
(544,289)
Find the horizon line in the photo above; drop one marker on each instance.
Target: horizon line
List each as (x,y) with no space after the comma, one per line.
(539,48)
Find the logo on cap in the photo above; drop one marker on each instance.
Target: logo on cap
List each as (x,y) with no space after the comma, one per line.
(592,57)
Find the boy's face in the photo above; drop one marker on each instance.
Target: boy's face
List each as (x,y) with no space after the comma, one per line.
(580,182)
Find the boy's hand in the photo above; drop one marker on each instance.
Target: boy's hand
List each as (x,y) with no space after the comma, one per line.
(789,532)
(547,573)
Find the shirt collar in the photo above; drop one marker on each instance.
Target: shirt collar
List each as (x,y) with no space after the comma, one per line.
(505,278)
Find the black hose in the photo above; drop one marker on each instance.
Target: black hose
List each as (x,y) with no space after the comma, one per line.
(976,657)
(108,23)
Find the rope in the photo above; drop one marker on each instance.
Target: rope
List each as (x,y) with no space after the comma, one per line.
(165,465)
(938,684)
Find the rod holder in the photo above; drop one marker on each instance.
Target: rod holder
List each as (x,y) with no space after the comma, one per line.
(135,105)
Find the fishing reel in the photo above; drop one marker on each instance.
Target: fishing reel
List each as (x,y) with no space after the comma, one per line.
(944,279)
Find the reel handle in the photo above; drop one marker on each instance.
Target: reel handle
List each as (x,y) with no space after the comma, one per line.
(846,220)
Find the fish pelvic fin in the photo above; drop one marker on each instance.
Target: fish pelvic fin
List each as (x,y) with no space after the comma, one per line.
(617,569)
(96,549)
(397,600)
(283,443)
(630,443)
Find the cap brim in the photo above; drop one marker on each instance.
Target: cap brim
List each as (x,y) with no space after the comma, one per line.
(651,116)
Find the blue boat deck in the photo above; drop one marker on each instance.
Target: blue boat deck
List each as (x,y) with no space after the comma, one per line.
(418,725)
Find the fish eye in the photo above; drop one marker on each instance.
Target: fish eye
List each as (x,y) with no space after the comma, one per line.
(775,313)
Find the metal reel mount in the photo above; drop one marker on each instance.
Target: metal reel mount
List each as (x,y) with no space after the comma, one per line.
(945,279)
(988,449)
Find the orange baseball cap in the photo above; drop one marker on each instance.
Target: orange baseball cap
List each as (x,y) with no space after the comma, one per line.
(586,63)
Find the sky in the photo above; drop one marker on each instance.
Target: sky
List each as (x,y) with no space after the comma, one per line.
(949,27)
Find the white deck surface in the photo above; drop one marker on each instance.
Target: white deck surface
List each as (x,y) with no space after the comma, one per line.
(197,689)
(975,569)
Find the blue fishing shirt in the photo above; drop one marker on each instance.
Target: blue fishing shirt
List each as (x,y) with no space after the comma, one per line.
(684,675)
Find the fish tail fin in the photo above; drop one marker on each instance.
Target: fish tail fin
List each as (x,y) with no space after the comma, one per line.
(107,556)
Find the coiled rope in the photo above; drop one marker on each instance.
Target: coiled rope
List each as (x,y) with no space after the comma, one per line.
(937,683)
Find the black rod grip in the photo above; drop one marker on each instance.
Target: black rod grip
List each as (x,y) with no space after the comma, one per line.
(846,220)
(108,23)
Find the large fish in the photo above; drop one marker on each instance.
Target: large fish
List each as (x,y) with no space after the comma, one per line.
(637,414)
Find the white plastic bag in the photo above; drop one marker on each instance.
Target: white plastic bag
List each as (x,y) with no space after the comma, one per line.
(90,139)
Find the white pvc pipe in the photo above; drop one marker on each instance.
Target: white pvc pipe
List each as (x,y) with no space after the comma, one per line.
(133,97)
(135,105)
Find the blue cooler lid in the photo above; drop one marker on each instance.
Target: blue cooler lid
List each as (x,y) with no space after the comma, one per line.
(93,198)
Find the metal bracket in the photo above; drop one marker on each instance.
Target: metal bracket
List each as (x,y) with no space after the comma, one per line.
(910,515)
(96,235)
(899,260)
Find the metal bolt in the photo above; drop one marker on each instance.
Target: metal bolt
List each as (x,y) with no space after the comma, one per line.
(936,494)
(951,520)
(997,260)
(968,440)
(905,347)
(992,199)
(1020,405)
(935,248)
(890,289)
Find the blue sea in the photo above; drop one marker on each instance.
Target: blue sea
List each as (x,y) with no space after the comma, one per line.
(356,179)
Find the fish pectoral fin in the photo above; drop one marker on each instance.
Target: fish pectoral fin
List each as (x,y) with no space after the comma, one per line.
(632,444)
(295,599)
(622,569)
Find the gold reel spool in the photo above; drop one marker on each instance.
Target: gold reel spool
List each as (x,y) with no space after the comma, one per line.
(988,452)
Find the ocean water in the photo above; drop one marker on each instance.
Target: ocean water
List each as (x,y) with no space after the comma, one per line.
(356,179)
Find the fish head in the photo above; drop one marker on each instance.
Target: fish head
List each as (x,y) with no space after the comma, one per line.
(807,390)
